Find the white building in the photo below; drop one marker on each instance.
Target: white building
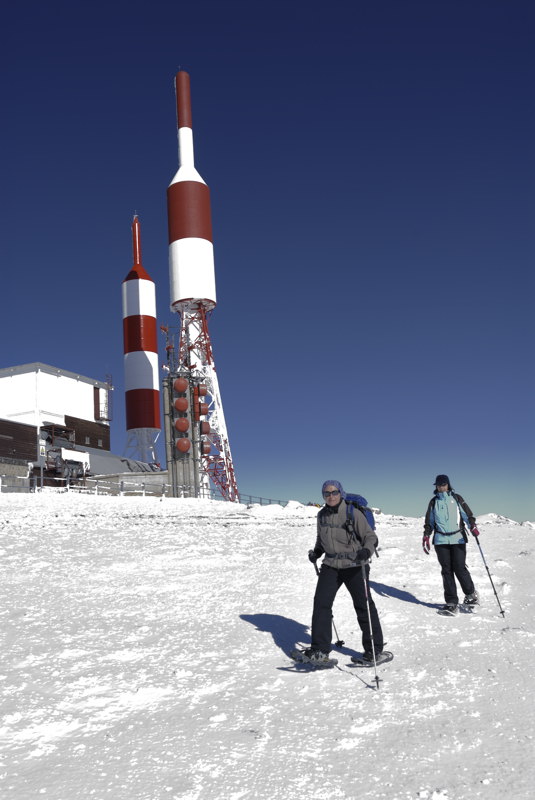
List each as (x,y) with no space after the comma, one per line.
(51,402)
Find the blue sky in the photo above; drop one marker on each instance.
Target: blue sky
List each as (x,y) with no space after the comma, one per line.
(371,168)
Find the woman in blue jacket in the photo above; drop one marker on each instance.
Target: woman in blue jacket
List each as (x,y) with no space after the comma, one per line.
(447,518)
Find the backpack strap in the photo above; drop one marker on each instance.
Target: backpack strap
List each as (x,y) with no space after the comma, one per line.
(350,520)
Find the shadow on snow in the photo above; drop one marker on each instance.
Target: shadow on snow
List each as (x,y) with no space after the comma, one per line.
(390,591)
(285,632)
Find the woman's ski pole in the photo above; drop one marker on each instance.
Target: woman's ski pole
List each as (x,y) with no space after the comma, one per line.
(502,612)
(340,642)
(363,567)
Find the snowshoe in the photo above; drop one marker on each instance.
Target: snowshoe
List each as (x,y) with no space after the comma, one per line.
(366,659)
(470,603)
(449,610)
(315,658)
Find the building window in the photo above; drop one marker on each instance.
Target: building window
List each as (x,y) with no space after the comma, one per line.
(100,442)
(87,440)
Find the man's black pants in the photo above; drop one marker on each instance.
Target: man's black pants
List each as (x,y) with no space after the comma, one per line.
(452,559)
(329,581)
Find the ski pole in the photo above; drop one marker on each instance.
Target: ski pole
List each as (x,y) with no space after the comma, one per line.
(502,612)
(340,642)
(363,568)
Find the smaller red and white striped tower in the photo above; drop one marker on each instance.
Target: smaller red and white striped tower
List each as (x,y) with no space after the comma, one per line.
(140,358)
(193,296)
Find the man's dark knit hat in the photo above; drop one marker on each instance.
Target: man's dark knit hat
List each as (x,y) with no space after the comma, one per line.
(440,479)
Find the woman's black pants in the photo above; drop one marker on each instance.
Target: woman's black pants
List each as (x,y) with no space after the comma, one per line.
(452,559)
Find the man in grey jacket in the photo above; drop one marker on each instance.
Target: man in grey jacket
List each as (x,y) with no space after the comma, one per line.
(347,549)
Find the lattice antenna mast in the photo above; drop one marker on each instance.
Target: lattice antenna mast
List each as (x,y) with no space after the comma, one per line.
(193,296)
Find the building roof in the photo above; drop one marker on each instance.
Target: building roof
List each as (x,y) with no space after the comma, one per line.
(37,366)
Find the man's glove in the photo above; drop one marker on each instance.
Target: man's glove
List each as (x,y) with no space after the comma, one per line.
(426,545)
(312,556)
(363,554)
(475,531)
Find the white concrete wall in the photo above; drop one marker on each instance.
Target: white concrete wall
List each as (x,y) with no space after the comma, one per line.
(37,397)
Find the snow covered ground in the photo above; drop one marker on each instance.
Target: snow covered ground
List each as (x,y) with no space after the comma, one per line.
(144,657)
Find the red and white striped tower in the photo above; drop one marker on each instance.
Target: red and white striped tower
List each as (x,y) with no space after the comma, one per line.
(193,296)
(140,358)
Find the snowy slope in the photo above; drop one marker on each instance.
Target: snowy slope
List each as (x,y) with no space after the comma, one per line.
(144,657)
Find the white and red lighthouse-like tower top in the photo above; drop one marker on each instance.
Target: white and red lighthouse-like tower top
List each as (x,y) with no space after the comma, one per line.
(191,251)
(193,294)
(140,357)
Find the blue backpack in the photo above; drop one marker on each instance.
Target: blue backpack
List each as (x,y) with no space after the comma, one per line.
(357,501)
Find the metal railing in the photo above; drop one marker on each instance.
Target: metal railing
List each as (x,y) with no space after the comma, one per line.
(120,488)
(248,499)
